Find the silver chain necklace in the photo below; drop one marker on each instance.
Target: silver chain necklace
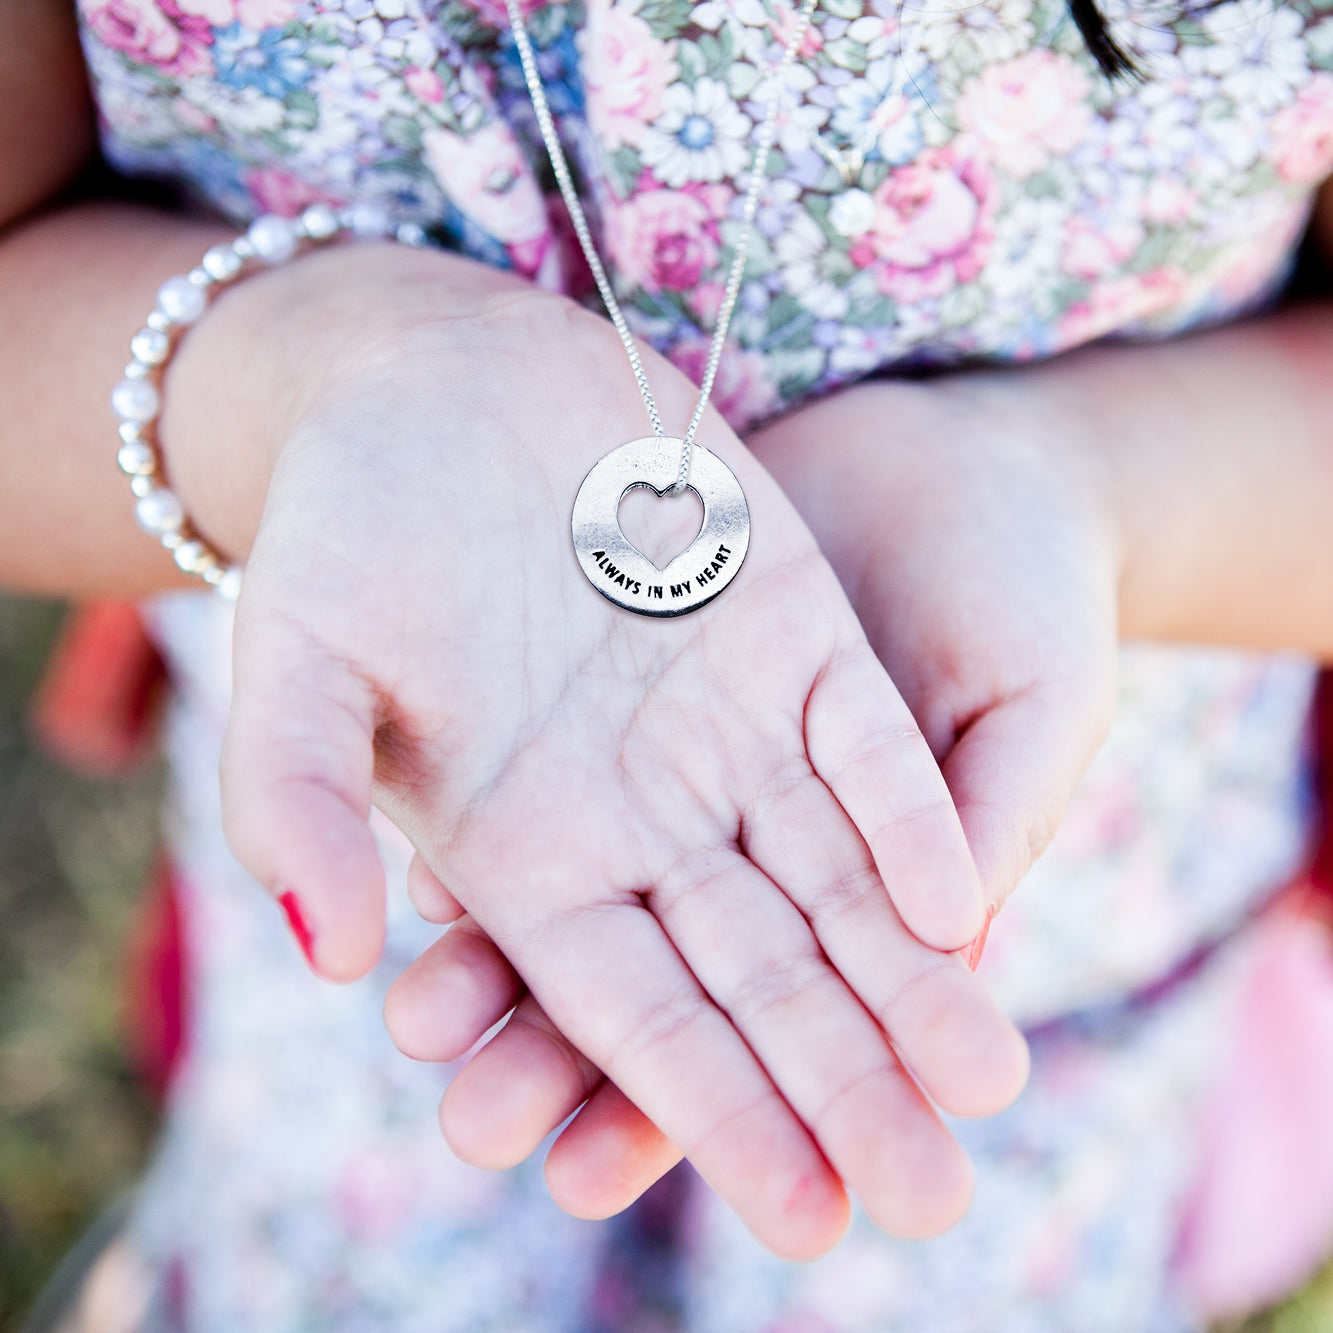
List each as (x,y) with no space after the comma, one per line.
(660,462)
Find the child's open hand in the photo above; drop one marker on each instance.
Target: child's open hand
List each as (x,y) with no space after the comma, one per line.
(968,526)
(976,536)
(679,832)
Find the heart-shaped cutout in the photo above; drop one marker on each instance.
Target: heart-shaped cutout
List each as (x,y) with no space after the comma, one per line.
(621,572)
(658,524)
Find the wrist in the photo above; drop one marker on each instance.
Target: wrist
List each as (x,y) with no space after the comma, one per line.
(273,351)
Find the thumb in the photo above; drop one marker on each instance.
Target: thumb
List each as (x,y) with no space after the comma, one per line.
(297,767)
(1011,773)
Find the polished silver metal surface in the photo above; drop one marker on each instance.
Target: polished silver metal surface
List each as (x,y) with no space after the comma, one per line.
(626,576)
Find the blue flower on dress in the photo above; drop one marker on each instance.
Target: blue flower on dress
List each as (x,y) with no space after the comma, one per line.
(268,60)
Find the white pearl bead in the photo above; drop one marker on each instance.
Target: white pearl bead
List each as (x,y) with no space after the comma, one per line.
(129,431)
(137,458)
(158,320)
(180,300)
(229,585)
(319,222)
(150,346)
(221,262)
(273,238)
(135,400)
(367,218)
(172,539)
(159,512)
(409,233)
(136,370)
(191,556)
(200,277)
(141,486)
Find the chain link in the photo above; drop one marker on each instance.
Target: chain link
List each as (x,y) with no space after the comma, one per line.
(758,168)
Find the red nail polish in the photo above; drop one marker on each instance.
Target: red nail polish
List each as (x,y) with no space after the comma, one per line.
(291,904)
(975,948)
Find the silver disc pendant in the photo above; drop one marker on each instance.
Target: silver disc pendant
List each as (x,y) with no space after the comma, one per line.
(626,576)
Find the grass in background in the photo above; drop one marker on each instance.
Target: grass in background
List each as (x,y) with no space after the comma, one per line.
(74,1127)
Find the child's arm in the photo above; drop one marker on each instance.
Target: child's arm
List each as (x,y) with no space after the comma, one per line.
(679,832)
(998,532)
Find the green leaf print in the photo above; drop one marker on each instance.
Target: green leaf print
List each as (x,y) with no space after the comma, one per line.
(402,132)
(867,307)
(690,61)
(797,370)
(302,110)
(742,80)
(1319,43)
(718,51)
(665,18)
(1156,249)
(622,170)
(846,54)
(782,309)
(547,24)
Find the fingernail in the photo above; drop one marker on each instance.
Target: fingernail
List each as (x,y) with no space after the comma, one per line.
(291,905)
(974,950)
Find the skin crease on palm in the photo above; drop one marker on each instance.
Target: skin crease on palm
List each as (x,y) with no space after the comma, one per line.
(716,849)
(1011,675)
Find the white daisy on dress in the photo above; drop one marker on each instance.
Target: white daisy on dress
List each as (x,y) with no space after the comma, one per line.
(997,29)
(878,112)
(800,252)
(701,135)
(1257,52)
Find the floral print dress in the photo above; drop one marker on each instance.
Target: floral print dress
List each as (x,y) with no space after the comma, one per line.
(951,182)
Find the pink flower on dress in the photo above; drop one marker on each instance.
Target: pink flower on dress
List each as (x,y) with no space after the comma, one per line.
(192,117)
(626,72)
(932,227)
(1302,133)
(706,302)
(1022,111)
(489,180)
(744,391)
(1120,302)
(1093,249)
(249,13)
(1258,261)
(494,14)
(784,24)
(278,191)
(424,84)
(153,32)
(666,238)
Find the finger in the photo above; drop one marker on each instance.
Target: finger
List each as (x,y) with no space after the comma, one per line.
(296,778)
(817,1042)
(608,1156)
(431,899)
(943,1022)
(864,744)
(519,1087)
(1012,773)
(446,1001)
(640,1016)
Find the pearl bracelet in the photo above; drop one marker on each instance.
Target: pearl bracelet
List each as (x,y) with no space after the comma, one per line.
(137,400)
